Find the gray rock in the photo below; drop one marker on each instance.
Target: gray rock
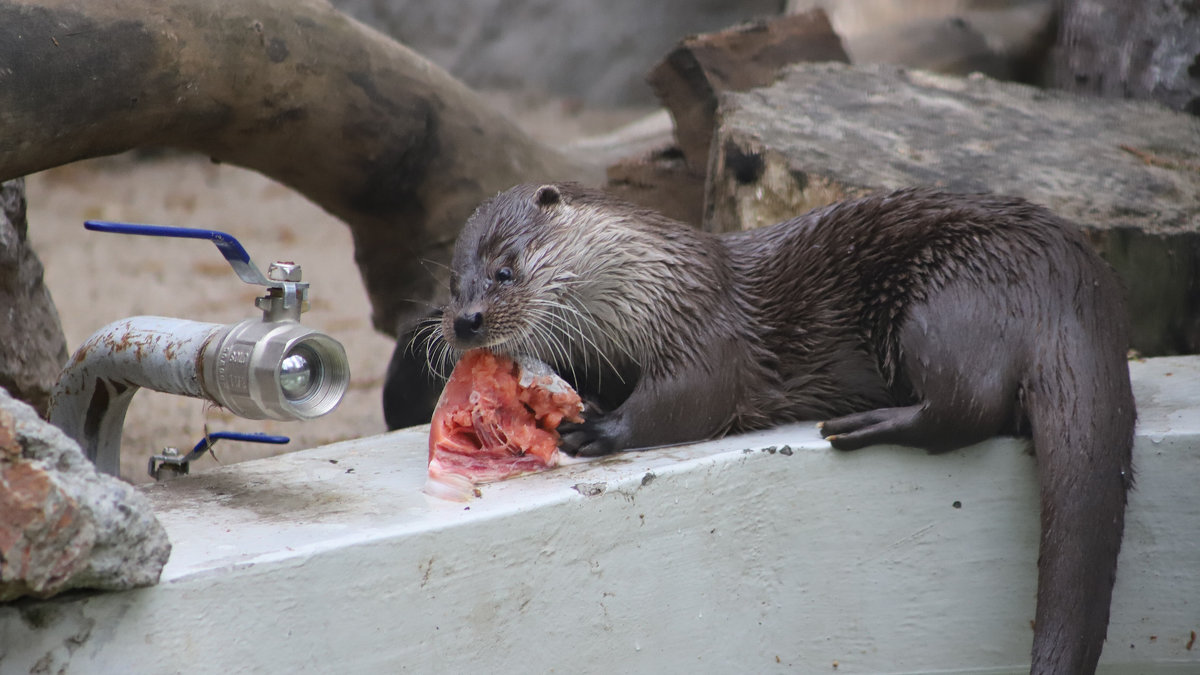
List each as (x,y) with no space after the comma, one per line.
(1128,172)
(33,348)
(1122,49)
(64,525)
(1007,40)
(595,50)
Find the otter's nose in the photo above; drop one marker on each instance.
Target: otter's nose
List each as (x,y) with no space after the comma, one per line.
(468,325)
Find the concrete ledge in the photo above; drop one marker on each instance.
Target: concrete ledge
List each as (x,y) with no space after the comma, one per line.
(729,556)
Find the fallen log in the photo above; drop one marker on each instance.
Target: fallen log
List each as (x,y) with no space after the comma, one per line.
(689,81)
(362,126)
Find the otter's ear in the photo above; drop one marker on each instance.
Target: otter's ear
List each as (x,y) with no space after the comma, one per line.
(547,196)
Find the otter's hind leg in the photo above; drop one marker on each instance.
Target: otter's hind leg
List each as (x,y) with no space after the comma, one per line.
(884,425)
(938,423)
(964,372)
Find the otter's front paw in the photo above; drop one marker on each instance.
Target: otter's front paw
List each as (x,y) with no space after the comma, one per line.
(598,434)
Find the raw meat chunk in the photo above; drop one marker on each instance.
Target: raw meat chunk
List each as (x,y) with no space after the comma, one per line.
(496,418)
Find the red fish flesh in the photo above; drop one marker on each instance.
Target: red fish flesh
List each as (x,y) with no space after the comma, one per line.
(496,418)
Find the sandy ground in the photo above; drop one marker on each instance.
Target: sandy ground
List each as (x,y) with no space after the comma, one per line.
(98,278)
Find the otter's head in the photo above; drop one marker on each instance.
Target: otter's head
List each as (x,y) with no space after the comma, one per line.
(510,273)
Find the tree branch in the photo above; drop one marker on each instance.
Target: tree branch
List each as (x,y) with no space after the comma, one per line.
(359,124)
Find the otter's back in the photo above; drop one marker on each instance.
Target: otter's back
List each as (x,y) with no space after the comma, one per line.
(835,286)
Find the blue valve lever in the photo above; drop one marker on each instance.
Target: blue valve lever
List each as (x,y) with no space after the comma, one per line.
(258,437)
(229,246)
(181,464)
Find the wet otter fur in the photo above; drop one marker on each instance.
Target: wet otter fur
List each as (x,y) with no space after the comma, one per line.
(913,317)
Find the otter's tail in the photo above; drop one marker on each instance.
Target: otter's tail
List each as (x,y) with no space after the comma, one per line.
(1081,411)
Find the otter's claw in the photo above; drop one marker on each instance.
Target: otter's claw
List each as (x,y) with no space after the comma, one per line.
(599,433)
(586,439)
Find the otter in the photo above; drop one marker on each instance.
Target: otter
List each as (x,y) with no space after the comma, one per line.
(914,317)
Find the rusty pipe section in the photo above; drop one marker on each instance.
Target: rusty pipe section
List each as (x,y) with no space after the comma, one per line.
(258,369)
(94,391)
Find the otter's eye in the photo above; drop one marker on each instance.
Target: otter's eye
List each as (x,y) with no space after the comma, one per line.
(504,275)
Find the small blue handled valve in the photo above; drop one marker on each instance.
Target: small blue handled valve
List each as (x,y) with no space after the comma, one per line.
(170,463)
(266,368)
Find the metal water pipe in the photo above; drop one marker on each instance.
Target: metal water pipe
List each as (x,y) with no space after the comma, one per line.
(267,368)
